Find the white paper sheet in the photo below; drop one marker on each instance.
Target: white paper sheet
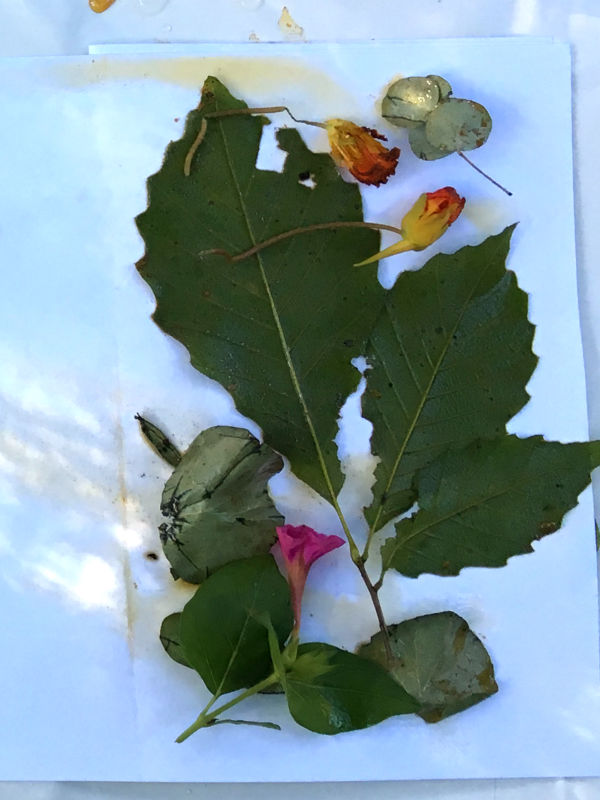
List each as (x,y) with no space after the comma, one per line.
(92,694)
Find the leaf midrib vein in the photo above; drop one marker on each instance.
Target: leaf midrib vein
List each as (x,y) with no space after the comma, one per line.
(277,320)
(428,388)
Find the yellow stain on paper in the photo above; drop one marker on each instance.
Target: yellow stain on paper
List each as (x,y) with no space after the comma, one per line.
(262,81)
(100,5)
(288,26)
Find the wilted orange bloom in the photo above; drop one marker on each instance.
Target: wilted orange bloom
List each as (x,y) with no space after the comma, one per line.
(357,149)
(428,219)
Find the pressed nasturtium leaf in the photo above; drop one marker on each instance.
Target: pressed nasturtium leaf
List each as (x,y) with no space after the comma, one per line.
(450,356)
(457,125)
(409,101)
(332,691)
(484,503)
(439,661)
(277,329)
(218,503)
(220,629)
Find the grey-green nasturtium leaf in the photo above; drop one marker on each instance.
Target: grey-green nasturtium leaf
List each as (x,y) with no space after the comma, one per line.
(450,356)
(279,329)
(409,101)
(222,638)
(332,691)
(421,146)
(218,504)
(457,125)
(439,661)
(171,639)
(482,504)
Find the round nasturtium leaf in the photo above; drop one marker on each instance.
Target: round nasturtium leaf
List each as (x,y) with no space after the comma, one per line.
(443,85)
(457,125)
(421,147)
(409,101)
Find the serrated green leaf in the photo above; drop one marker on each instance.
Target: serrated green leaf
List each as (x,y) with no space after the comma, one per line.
(450,357)
(421,146)
(439,661)
(278,329)
(487,502)
(218,504)
(332,691)
(171,640)
(221,636)
(457,125)
(409,101)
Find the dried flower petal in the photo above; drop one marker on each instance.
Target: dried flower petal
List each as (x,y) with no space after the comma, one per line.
(357,149)
(428,219)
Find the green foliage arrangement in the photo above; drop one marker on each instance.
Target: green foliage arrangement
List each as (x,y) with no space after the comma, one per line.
(252,273)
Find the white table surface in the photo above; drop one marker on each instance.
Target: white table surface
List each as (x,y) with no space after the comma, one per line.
(64,27)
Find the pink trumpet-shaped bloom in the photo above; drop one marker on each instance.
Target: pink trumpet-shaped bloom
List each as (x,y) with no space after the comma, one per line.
(301,546)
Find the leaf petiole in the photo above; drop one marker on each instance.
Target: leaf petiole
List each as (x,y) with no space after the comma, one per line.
(321,226)
(204,719)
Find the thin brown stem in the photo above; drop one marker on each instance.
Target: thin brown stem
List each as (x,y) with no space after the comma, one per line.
(373,590)
(321,226)
(485,175)
(187,164)
(234,112)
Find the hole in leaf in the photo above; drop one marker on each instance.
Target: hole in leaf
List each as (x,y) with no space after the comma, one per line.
(306,179)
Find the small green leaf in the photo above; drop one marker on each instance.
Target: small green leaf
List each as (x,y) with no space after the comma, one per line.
(331,691)
(171,640)
(221,636)
(421,146)
(457,125)
(450,357)
(218,504)
(159,441)
(487,502)
(409,101)
(439,661)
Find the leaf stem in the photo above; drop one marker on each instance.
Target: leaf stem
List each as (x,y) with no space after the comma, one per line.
(373,589)
(485,175)
(320,226)
(205,719)
(234,112)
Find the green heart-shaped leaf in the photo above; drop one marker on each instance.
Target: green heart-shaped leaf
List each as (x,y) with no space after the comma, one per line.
(220,631)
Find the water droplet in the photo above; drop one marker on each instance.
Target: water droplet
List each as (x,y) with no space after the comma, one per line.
(152,7)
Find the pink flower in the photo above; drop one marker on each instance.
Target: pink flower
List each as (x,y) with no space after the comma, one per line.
(301,546)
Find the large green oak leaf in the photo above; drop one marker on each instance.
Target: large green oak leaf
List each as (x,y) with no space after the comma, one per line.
(482,504)
(439,661)
(278,329)
(218,504)
(450,356)
(220,630)
(332,691)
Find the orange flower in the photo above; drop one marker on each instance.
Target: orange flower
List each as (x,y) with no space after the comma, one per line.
(357,149)
(428,219)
